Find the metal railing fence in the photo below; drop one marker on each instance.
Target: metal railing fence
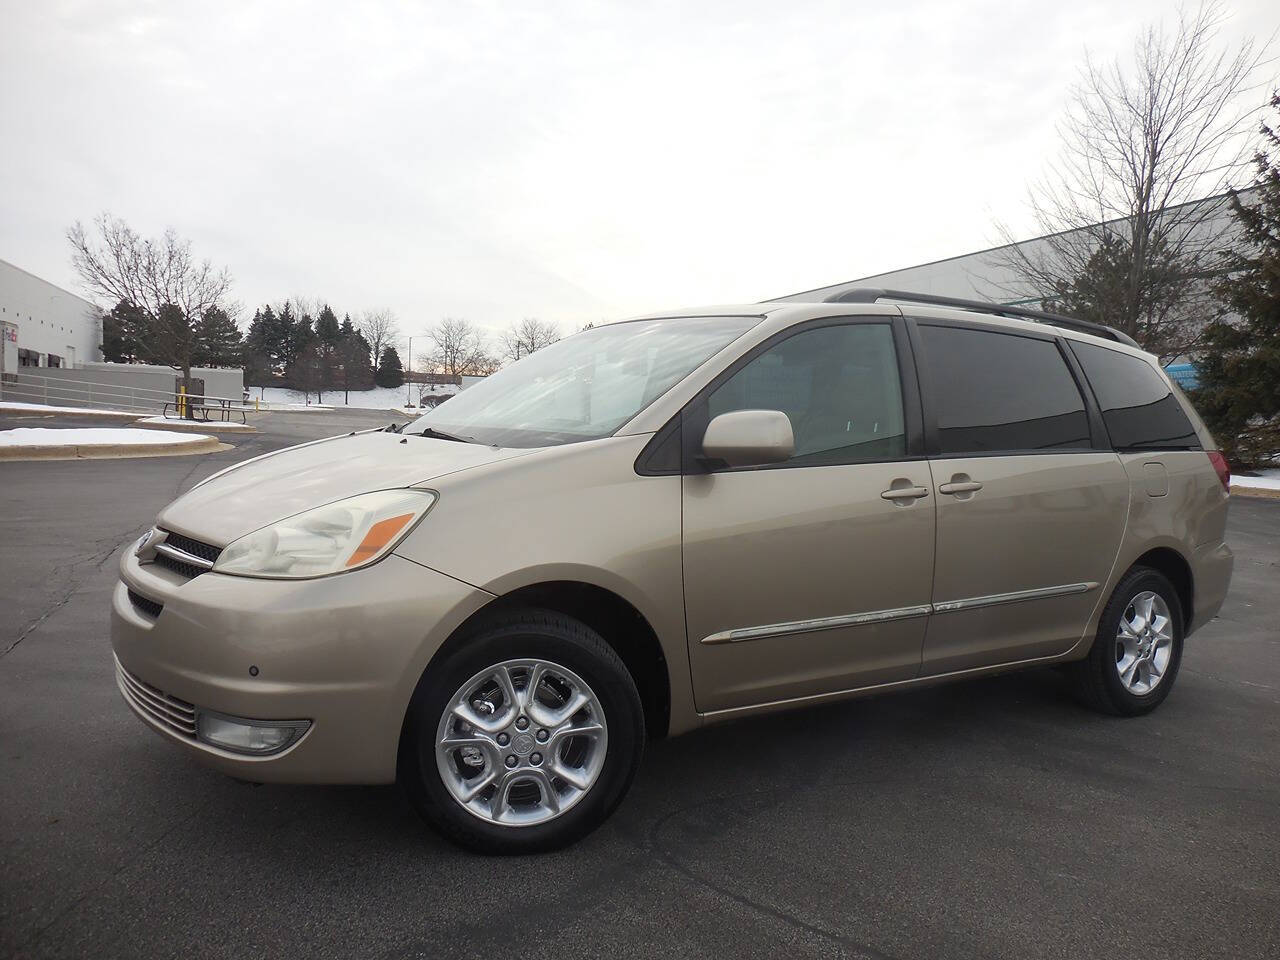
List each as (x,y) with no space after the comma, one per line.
(23,387)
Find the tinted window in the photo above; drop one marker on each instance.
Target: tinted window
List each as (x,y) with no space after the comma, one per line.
(1138,407)
(999,392)
(839,387)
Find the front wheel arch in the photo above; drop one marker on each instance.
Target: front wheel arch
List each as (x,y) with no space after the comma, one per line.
(616,620)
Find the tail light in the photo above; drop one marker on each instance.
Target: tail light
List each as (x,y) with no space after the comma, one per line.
(1220,466)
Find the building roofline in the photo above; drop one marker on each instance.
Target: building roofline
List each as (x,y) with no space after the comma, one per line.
(47,283)
(1002,246)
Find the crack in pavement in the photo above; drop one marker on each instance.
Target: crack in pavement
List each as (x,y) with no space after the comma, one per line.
(96,559)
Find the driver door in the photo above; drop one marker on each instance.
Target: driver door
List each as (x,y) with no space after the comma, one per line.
(814,575)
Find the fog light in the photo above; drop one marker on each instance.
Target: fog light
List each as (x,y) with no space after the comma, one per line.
(248,736)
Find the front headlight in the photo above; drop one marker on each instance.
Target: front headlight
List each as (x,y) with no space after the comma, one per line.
(339,536)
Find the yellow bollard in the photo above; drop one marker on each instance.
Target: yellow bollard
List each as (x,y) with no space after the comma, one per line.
(182,402)
(255,404)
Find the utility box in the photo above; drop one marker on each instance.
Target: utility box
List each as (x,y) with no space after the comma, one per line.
(8,347)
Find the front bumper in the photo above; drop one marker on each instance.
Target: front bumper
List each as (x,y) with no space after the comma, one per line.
(342,652)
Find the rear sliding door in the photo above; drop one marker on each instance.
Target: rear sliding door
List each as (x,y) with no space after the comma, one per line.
(1031,505)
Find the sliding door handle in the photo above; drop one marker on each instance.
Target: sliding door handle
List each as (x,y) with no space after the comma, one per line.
(904,493)
(963,486)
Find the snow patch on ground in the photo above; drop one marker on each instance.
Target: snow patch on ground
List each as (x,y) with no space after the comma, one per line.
(1265,480)
(232,425)
(92,437)
(43,408)
(379,398)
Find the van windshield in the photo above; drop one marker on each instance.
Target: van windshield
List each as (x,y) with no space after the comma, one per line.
(585,386)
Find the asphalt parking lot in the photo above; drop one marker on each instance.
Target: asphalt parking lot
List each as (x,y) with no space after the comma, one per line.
(993,818)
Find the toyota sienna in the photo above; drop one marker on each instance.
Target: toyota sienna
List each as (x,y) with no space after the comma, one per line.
(666,522)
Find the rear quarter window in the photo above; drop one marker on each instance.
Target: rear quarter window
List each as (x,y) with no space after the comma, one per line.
(1138,406)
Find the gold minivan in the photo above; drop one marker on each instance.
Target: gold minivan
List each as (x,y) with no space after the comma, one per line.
(672,521)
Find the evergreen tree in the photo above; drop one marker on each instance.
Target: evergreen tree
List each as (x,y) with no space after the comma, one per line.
(1239,374)
(261,348)
(1166,285)
(219,342)
(353,368)
(302,372)
(284,334)
(327,330)
(390,372)
(269,337)
(301,336)
(328,341)
(119,328)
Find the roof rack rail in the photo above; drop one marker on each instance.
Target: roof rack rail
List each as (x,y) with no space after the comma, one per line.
(874,294)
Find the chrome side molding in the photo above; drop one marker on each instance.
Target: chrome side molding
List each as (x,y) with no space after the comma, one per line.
(1016,596)
(822,623)
(897,613)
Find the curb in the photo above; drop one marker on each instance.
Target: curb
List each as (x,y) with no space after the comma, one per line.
(117,416)
(114,451)
(1260,493)
(196,426)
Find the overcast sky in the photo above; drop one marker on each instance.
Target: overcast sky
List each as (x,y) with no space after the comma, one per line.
(570,161)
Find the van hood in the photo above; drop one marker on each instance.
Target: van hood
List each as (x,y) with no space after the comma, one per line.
(260,491)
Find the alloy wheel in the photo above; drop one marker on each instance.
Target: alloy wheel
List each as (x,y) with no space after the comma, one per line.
(521,742)
(1144,643)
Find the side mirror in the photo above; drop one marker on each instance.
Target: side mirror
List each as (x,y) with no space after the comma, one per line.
(749,438)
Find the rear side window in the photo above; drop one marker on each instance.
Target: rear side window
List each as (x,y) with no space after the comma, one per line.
(839,387)
(997,392)
(1138,407)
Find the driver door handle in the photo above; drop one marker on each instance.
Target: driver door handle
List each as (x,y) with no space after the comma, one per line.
(904,493)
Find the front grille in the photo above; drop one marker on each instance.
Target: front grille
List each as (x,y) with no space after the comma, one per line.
(149,607)
(194,548)
(197,548)
(187,570)
(174,715)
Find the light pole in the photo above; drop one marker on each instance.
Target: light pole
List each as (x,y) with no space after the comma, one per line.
(408,391)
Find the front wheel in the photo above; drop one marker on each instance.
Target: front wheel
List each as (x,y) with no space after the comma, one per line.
(525,738)
(1138,648)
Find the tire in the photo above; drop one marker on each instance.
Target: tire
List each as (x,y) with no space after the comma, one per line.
(570,661)
(1100,679)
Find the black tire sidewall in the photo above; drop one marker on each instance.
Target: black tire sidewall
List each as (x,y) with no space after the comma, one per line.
(544,636)
(1104,661)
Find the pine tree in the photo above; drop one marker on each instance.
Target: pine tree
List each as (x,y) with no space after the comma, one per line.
(390,372)
(1239,374)
(354,370)
(260,348)
(302,373)
(219,342)
(119,328)
(284,334)
(327,329)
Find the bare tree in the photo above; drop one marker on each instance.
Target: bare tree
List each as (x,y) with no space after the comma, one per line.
(380,329)
(458,349)
(168,288)
(1129,237)
(527,336)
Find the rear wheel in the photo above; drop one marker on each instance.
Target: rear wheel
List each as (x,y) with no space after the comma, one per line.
(1138,648)
(525,738)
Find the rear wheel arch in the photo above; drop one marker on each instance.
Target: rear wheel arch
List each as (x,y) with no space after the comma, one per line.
(1175,568)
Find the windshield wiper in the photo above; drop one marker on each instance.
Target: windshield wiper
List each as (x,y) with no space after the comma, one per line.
(441,435)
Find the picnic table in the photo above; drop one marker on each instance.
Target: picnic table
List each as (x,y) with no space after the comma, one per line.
(206,409)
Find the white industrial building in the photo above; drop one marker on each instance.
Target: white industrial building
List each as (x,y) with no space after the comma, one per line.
(42,325)
(987,275)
